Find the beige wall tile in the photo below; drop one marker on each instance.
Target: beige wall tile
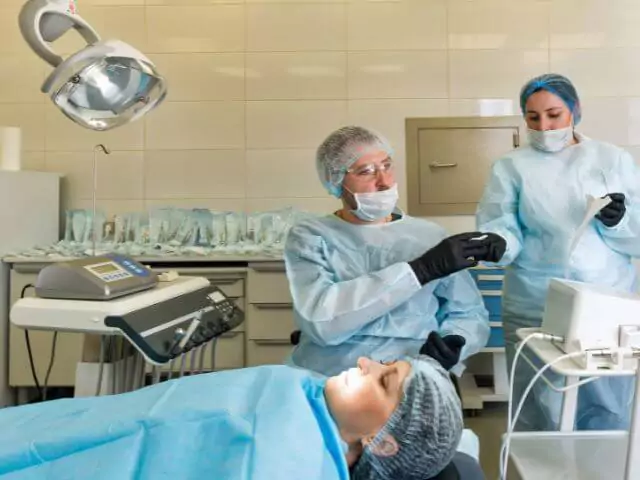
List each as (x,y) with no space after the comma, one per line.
(595,24)
(501,24)
(64,135)
(21,77)
(484,107)
(120,175)
(196,126)
(217,28)
(108,207)
(202,76)
(493,73)
(605,72)
(282,173)
(195,174)
(215,204)
(11,40)
(188,3)
(321,205)
(294,124)
(33,161)
(398,74)
(115,22)
(297,75)
(286,27)
(409,25)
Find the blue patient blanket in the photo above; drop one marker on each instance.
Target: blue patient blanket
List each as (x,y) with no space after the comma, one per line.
(267,423)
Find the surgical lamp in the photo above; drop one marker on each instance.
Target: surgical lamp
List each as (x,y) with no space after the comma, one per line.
(106,84)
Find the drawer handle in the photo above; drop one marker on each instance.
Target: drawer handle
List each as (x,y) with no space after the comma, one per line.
(223,281)
(267,267)
(229,334)
(491,293)
(442,165)
(273,342)
(274,306)
(491,278)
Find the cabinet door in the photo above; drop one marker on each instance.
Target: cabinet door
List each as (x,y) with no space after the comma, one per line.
(449,163)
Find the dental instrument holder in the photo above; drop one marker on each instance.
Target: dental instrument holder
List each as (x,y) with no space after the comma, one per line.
(548,351)
(161,334)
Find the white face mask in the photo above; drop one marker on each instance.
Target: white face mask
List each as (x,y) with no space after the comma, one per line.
(550,140)
(372,206)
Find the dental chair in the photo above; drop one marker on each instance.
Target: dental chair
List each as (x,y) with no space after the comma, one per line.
(462,467)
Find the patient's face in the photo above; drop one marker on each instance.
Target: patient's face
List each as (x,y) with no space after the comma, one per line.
(362,399)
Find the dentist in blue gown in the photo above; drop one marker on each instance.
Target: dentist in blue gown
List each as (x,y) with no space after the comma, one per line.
(536,198)
(369,280)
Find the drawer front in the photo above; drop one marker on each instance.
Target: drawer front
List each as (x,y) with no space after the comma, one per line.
(496,338)
(229,354)
(493,303)
(268,287)
(232,284)
(489,283)
(488,279)
(270,321)
(264,352)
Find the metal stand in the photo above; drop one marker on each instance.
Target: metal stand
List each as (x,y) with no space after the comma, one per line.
(533,464)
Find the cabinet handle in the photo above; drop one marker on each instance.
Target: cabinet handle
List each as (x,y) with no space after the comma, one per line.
(229,334)
(442,165)
(268,267)
(274,342)
(490,278)
(222,281)
(273,306)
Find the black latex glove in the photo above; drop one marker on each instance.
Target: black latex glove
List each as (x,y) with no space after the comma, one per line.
(451,255)
(611,214)
(446,350)
(496,246)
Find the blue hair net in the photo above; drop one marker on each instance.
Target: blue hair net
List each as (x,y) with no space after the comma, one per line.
(558,85)
(342,149)
(426,426)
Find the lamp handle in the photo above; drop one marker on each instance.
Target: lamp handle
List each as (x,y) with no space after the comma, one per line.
(44,21)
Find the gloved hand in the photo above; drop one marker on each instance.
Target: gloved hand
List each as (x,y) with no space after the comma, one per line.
(446,350)
(611,214)
(451,255)
(496,247)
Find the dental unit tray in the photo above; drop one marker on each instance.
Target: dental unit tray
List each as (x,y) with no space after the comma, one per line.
(162,323)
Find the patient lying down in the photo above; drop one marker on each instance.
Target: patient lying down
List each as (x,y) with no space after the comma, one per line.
(396,421)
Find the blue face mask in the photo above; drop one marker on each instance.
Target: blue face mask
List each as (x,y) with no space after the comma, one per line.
(372,206)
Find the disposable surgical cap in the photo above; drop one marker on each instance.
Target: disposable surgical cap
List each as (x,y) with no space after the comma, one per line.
(342,149)
(426,426)
(558,85)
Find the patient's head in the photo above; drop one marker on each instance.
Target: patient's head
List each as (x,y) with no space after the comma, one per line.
(400,420)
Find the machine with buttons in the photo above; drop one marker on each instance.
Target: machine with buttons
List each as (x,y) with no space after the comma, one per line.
(163,332)
(94,278)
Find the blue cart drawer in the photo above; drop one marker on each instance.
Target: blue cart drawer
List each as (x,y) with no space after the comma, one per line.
(496,338)
(493,303)
(488,279)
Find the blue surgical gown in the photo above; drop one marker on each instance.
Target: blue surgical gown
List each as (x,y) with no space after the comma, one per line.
(536,201)
(266,423)
(354,294)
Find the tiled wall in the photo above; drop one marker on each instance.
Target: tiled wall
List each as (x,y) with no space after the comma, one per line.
(255,85)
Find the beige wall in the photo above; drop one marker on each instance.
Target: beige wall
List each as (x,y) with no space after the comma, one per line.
(256,85)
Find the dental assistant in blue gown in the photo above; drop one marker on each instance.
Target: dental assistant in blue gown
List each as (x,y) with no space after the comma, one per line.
(536,198)
(370,280)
